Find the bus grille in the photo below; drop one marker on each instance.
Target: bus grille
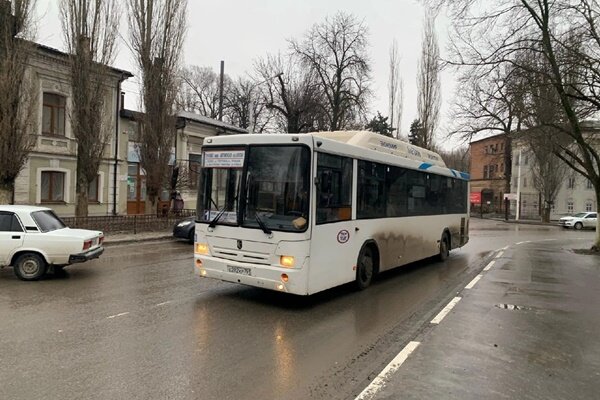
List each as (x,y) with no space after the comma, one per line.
(241,255)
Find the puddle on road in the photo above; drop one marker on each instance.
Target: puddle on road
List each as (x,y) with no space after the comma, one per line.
(513,307)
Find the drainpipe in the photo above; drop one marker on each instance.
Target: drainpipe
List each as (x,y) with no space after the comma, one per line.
(116,164)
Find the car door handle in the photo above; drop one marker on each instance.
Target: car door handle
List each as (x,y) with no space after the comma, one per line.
(16,237)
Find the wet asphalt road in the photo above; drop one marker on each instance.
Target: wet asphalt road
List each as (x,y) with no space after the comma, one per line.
(137,324)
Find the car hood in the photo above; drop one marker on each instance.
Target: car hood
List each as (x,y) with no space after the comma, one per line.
(566,218)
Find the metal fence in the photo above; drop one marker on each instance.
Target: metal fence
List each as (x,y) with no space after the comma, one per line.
(129,223)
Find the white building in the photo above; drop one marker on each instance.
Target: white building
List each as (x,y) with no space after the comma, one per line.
(576,193)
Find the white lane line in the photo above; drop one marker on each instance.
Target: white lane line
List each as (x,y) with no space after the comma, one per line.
(163,303)
(438,318)
(504,248)
(487,267)
(378,383)
(117,315)
(473,282)
(500,254)
(520,242)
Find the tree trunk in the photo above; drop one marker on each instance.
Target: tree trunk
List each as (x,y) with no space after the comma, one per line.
(6,193)
(81,207)
(81,189)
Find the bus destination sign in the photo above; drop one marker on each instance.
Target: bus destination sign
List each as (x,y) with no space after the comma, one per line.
(224,159)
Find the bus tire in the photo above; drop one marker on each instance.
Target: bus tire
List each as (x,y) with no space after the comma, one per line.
(444,247)
(365,267)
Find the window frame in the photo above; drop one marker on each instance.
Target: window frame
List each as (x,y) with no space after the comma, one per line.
(345,161)
(14,218)
(49,200)
(55,109)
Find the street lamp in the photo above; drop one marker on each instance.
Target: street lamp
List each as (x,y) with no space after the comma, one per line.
(252,122)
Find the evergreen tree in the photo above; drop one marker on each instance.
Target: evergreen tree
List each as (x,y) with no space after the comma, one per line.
(379,124)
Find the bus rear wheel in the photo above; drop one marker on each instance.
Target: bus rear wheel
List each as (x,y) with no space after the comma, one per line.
(444,247)
(365,268)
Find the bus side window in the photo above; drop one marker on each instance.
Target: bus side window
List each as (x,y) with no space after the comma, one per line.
(334,191)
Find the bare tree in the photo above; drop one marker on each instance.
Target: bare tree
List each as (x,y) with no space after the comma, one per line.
(395,90)
(199,91)
(18,100)
(157,30)
(428,82)
(292,93)
(90,29)
(336,50)
(457,159)
(245,106)
(565,33)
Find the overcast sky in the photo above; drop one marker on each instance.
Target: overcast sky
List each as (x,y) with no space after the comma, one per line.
(237,31)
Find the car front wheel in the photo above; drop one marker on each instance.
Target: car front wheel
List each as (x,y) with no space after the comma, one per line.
(578,226)
(30,267)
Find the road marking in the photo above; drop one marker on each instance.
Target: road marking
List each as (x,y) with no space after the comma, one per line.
(473,282)
(377,383)
(117,315)
(438,318)
(163,303)
(500,254)
(487,267)
(504,248)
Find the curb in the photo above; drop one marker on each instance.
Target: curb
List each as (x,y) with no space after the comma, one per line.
(109,242)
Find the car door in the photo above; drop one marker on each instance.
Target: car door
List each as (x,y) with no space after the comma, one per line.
(590,220)
(11,236)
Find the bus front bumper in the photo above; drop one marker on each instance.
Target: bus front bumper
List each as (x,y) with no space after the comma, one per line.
(257,275)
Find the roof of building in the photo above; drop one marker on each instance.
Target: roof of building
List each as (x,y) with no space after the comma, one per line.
(56,52)
(210,121)
(490,137)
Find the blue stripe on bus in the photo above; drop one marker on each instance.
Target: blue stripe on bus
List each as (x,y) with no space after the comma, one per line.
(425,166)
(453,172)
(465,176)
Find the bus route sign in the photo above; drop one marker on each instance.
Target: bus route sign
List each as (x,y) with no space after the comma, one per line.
(224,159)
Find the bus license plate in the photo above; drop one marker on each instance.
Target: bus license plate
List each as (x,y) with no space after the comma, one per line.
(239,270)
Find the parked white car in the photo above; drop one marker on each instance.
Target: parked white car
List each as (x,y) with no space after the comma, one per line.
(580,220)
(33,240)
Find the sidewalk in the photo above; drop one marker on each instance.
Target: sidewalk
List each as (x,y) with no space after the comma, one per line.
(528,328)
(125,238)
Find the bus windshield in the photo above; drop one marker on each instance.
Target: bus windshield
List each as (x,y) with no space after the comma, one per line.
(275,188)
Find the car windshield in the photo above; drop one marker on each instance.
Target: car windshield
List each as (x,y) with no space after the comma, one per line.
(276,187)
(47,221)
(580,215)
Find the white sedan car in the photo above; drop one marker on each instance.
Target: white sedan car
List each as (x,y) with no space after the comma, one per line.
(34,239)
(580,220)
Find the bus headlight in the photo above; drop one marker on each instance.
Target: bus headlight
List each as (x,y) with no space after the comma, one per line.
(201,248)
(287,261)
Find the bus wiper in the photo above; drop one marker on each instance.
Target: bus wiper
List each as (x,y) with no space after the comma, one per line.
(214,221)
(262,224)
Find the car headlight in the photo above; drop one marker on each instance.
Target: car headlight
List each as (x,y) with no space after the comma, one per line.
(184,223)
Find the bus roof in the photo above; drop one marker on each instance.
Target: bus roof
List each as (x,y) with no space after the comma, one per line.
(384,144)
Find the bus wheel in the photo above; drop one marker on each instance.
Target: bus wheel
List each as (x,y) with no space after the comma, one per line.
(444,247)
(365,268)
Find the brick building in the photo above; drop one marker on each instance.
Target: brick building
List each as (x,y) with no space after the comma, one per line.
(490,170)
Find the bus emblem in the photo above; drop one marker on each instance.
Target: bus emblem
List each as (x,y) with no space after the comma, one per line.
(239,244)
(343,236)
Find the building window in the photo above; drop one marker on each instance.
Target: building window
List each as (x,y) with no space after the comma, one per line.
(526,159)
(53,115)
(485,172)
(93,190)
(195,163)
(570,206)
(571,183)
(524,182)
(589,206)
(53,187)
(589,184)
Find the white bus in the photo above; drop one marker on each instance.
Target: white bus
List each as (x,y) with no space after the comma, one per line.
(301,213)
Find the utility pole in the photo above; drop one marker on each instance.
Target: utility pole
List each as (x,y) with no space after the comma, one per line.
(519,187)
(221,90)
